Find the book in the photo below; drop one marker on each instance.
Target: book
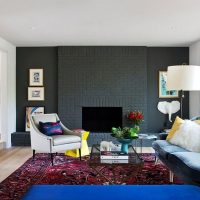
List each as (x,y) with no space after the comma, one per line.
(167,130)
(114,161)
(143,135)
(152,137)
(146,136)
(113,155)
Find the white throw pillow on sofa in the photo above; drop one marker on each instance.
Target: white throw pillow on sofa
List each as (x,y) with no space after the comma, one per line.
(187,136)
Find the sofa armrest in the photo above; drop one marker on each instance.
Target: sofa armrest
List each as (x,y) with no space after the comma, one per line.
(163,136)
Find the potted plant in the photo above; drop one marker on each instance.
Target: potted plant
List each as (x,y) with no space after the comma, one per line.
(124,136)
(124,133)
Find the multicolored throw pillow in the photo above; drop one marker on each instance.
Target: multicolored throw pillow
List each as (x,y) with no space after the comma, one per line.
(51,128)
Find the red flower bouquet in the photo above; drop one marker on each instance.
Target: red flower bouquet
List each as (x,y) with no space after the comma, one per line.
(136,117)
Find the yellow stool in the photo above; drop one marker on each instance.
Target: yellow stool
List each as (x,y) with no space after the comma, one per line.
(84,148)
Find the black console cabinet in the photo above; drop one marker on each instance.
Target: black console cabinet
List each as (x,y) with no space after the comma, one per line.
(21,139)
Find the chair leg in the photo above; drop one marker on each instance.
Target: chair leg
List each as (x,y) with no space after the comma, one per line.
(171,176)
(51,154)
(80,154)
(156,160)
(91,152)
(33,153)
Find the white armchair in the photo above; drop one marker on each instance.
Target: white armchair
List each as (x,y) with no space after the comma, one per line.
(52,144)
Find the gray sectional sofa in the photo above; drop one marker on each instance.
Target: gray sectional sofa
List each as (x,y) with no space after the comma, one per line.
(183,163)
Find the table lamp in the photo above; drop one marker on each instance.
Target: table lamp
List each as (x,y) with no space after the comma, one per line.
(183,78)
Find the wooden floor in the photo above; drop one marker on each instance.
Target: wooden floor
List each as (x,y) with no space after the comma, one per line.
(13,158)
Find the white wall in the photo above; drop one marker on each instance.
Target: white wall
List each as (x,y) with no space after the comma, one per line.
(3,94)
(195,95)
(9,90)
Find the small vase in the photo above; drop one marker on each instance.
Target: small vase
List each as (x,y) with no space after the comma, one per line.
(124,145)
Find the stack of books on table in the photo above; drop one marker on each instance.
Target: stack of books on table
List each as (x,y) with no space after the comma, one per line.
(111,153)
(113,161)
(114,157)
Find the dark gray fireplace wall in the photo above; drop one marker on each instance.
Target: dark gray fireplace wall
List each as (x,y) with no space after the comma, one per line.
(101,77)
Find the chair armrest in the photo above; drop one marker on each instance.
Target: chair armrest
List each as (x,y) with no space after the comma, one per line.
(39,141)
(43,136)
(36,130)
(70,132)
(163,136)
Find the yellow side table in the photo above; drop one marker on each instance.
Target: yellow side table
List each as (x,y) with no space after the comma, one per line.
(84,148)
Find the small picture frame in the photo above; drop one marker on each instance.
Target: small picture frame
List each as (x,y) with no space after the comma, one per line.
(36,77)
(35,93)
(163,92)
(32,111)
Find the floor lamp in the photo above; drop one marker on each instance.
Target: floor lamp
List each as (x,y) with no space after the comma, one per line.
(183,78)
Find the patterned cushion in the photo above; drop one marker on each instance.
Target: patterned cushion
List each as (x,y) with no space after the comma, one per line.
(51,128)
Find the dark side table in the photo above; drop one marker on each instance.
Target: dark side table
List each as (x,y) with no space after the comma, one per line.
(142,137)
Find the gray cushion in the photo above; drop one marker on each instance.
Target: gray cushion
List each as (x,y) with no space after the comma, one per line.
(65,139)
(188,162)
(164,148)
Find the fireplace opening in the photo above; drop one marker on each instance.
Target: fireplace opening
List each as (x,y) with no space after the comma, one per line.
(101,119)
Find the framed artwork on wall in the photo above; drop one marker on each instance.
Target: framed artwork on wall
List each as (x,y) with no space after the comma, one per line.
(35,93)
(36,77)
(32,111)
(163,92)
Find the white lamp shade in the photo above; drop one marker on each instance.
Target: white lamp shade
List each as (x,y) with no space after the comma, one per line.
(183,77)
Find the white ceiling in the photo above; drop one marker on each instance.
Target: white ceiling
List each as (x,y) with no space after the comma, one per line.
(100,22)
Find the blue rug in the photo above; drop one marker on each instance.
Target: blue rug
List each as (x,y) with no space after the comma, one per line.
(115,192)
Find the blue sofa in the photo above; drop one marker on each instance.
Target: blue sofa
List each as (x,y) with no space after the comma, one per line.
(183,163)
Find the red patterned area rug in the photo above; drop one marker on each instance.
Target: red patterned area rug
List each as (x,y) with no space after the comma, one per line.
(71,171)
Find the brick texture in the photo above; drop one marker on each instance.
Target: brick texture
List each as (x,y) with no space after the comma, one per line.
(101,76)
